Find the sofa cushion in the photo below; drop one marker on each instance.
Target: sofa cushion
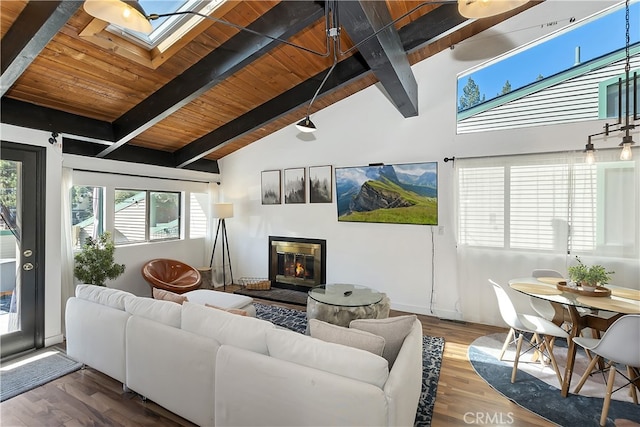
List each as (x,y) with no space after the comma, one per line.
(392,329)
(217,298)
(165,312)
(228,310)
(248,333)
(341,360)
(161,294)
(346,336)
(114,298)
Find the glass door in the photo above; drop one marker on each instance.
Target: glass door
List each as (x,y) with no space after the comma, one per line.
(21,248)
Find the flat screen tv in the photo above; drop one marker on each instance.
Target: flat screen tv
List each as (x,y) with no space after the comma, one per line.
(399,194)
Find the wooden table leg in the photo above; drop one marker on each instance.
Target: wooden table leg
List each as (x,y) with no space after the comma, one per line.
(576,327)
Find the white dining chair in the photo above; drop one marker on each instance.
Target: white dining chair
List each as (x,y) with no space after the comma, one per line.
(526,323)
(620,344)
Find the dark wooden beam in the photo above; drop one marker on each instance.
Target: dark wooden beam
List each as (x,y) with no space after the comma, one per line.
(38,22)
(282,21)
(134,154)
(364,21)
(345,71)
(20,113)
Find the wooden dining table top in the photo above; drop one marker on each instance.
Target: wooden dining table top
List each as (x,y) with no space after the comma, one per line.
(621,300)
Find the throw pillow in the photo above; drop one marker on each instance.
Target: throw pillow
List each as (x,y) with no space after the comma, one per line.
(350,337)
(168,296)
(392,329)
(338,359)
(229,310)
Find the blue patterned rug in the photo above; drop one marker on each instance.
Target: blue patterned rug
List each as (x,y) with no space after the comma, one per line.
(540,397)
(432,348)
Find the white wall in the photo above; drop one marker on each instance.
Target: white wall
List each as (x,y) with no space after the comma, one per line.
(366,128)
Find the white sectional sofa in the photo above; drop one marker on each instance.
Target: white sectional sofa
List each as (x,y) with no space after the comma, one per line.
(216,368)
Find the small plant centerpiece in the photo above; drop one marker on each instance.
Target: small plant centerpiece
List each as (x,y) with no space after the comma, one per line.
(94,263)
(589,277)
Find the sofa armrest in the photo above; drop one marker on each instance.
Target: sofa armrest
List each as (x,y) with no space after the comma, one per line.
(404,385)
(256,389)
(172,367)
(95,335)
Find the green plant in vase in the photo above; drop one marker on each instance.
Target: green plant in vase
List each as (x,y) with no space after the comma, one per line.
(94,263)
(589,276)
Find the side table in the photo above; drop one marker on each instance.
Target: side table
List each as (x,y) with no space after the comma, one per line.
(339,304)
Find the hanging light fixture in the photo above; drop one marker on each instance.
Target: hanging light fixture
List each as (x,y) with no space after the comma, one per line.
(486,8)
(627,127)
(590,153)
(125,13)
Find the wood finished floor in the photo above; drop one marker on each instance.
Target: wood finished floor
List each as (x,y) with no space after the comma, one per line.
(89,398)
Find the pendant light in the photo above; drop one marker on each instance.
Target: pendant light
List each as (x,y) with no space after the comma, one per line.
(486,8)
(124,13)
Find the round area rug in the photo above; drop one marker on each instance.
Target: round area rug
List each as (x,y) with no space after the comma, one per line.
(537,389)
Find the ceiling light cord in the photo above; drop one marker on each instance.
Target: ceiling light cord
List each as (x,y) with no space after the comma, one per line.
(335,62)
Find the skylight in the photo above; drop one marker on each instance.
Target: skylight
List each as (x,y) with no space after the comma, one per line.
(167,30)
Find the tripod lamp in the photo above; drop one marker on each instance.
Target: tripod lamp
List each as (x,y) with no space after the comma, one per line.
(222,211)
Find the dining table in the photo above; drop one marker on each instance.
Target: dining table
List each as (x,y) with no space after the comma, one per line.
(565,296)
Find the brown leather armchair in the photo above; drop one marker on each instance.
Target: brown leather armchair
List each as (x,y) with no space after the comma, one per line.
(171,275)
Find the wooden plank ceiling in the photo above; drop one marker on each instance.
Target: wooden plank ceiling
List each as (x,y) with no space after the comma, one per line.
(216,90)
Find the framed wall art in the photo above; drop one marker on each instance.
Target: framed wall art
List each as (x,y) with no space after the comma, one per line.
(295,186)
(320,184)
(270,187)
(399,194)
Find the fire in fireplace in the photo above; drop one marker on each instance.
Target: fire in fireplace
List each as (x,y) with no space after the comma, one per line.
(297,263)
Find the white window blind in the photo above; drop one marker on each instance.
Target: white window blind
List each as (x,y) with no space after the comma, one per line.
(481,206)
(538,205)
(549,203)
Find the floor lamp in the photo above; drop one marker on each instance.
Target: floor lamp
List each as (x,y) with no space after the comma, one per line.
(222,211)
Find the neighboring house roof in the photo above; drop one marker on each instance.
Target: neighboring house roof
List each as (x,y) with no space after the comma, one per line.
(569,96)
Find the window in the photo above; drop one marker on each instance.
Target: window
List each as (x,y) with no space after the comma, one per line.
(547,57)
(137,210)
(87,213)
(141,216)
(198,215)
(549,203)
(610,97)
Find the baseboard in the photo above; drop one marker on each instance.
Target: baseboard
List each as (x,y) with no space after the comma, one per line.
(56,339)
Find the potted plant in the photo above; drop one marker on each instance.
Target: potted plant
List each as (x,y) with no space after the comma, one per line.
(94,263)
(589,277)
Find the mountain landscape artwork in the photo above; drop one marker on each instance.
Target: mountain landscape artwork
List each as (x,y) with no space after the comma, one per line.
(400,194)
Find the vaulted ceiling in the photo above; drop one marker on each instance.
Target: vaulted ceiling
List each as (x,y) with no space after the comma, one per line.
(216,90)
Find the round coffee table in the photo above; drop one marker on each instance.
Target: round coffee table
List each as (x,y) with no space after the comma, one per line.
(339,304)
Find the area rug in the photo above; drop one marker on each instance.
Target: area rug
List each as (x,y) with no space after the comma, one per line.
(288,296)
(34,369)
(537,389)
(432,349)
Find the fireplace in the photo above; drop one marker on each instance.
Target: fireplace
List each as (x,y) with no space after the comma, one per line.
(297,263)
